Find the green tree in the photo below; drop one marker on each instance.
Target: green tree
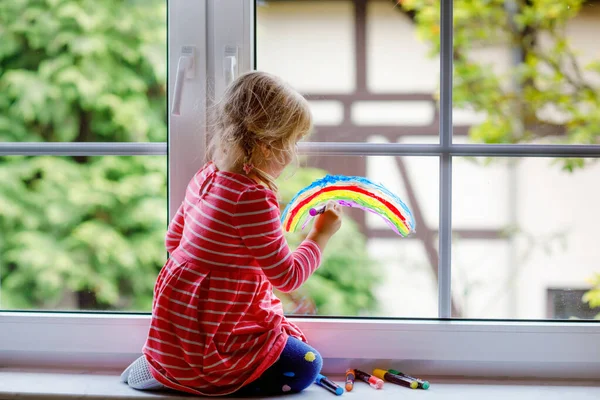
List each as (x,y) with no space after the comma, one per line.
(81,71)
(548,95)
(87,232)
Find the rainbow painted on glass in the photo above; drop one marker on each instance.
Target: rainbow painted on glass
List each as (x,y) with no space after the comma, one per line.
(349,191)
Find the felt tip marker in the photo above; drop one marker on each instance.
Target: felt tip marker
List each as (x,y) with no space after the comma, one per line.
(316,211)
(422,384)
(398,380)
(350,377)
(329,385)
(373,381)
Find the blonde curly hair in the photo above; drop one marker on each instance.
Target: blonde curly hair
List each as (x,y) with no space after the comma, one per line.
(258,121)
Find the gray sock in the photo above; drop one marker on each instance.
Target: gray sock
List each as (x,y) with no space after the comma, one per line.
(138,376)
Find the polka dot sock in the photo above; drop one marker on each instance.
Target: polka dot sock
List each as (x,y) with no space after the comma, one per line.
(294,371)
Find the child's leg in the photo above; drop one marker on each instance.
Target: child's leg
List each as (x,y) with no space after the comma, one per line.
(138,376)
(295,370)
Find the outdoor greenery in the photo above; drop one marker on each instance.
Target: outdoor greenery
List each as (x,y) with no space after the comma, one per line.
(87,232)
(81,232)
(548,95)
(592,298)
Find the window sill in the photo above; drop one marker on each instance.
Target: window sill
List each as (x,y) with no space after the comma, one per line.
(52,384)
(537,350)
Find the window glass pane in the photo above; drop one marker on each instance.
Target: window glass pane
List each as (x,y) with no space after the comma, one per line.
(524,72)
(361,63)
(368,270)
(309,43)
(81,233)
(525,238)
(399,61)
(83,71)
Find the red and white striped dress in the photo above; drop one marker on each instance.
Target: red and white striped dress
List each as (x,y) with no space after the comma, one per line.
(216,324)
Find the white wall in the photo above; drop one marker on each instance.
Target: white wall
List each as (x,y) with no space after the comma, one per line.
(309,43)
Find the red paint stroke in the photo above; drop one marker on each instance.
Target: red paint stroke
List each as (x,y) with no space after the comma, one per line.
(389,205)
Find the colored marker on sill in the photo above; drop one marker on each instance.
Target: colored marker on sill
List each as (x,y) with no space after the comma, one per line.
(398,380)
(350,377)
(325,382)
(422,384)
(373,381)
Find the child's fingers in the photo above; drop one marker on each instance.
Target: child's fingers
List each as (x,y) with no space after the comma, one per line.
(334,205)
(337,208)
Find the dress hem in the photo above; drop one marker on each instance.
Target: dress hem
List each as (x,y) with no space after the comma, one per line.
(269,360)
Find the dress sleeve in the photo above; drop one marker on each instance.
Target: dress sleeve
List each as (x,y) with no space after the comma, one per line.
(175,231)
(257,220)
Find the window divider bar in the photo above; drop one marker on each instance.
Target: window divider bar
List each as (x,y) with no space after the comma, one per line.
(314,148)
(483,150)
(445,191)
(446,69)
(525,150)
(445,238)
(83,149)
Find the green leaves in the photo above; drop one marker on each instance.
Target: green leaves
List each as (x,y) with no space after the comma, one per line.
(592,297)
(96,227)
(82,232)
(549,96)
(74,56)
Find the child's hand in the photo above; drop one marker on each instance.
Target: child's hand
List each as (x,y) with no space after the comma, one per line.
(330,221)
(326,224)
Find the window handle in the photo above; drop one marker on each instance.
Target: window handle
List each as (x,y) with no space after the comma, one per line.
(185,71)
(230,69)
(230,64)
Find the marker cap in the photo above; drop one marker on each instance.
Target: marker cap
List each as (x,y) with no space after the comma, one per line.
(424,384)
(375,382)
(379,373)
(324,381)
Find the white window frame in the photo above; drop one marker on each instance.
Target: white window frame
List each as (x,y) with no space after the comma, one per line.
(433,347)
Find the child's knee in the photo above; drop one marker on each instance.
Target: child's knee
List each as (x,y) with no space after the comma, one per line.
(314,361)
(311,367)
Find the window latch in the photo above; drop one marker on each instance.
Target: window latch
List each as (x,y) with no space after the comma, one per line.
(230,64)
(185,71)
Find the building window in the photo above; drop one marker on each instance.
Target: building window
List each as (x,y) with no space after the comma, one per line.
(569,304)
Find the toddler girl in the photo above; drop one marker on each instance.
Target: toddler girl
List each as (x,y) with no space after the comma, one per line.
(217,328)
